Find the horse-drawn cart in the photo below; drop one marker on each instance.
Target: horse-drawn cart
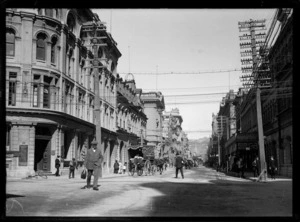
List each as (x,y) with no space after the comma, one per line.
(136,165)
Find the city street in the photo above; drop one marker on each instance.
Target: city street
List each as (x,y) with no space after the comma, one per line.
(203,192)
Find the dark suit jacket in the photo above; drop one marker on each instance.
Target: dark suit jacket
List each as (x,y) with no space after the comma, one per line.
(178,162)
(93,159)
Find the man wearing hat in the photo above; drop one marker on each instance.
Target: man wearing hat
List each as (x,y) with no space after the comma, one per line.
(179,165)
(92,163)
(57,165)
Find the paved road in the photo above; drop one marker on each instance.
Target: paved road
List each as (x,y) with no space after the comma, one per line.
(203,192)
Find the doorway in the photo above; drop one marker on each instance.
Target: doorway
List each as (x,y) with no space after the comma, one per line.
(42,154)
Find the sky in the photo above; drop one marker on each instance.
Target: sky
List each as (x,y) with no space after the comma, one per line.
(182,52)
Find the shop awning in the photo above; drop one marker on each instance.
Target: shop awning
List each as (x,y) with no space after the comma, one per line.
(242,138)
(134,147)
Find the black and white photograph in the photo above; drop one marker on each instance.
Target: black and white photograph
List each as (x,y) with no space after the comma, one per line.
(148,112)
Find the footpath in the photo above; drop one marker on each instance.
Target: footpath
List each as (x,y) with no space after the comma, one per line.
(249,176)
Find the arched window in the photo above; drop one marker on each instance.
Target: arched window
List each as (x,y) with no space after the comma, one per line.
(53,51)
(49,12)
(41,47)
(71,22)
(10,42)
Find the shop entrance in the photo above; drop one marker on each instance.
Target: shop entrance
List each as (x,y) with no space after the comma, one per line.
(42,149)
(42,154)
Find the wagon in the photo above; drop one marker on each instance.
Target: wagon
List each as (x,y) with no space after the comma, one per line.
(136,166)
(149,167)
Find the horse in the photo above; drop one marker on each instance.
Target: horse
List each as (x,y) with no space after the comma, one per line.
(160,165)
(147,167)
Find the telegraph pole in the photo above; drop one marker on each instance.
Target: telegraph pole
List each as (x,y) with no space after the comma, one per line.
(255,79)
(219,151)
(90,29)
(263,165)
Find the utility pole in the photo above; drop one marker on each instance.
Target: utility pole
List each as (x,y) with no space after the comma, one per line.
(92,29)
(256,78)
(219,151)
(263,165)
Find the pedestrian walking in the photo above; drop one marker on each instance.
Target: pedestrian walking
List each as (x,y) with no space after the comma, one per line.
(72,166)
(116,167)
(124,167)
(179,165)
(255,167)
(272,168)
(240,167)
(92,163)
(57,165)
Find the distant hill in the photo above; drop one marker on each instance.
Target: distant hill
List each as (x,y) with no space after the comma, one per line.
(199,146)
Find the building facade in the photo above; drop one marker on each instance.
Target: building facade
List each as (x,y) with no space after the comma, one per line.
(277,105)
(154,106)
(50,89)
(131,120)
(174,138)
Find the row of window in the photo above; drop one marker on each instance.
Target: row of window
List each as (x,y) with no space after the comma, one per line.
(41,56)
(269,112)
(40,45)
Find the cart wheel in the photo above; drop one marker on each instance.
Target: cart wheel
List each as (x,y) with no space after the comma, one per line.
(132,172)
(140,172)
(153,170)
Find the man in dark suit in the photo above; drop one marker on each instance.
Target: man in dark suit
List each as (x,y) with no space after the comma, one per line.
(92,163)
(57,165)
(179,165)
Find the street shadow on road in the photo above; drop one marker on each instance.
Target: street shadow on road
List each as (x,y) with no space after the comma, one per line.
(219,197)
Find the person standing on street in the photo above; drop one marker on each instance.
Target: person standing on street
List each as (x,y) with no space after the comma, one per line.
(57,165)
(72,166)
(124,167)
(255,167)
(120,168)
(179,165)
(239,167)
(116,167)
(92,163)
(272,168)
(242,167)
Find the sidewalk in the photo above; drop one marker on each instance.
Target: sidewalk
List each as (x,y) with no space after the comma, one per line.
(65,175)
(249,176)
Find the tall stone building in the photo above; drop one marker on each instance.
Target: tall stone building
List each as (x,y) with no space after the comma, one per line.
(175,140)
(131,120)
(50,89)
(154,106)
(277,102)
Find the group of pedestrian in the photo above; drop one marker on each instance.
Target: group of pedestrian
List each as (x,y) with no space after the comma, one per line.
(239,166)
(72,166)
(119,168)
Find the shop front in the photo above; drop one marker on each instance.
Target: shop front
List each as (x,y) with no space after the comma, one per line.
(242,145)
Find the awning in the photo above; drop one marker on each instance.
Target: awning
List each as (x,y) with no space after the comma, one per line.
(134,147)
(242,138)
